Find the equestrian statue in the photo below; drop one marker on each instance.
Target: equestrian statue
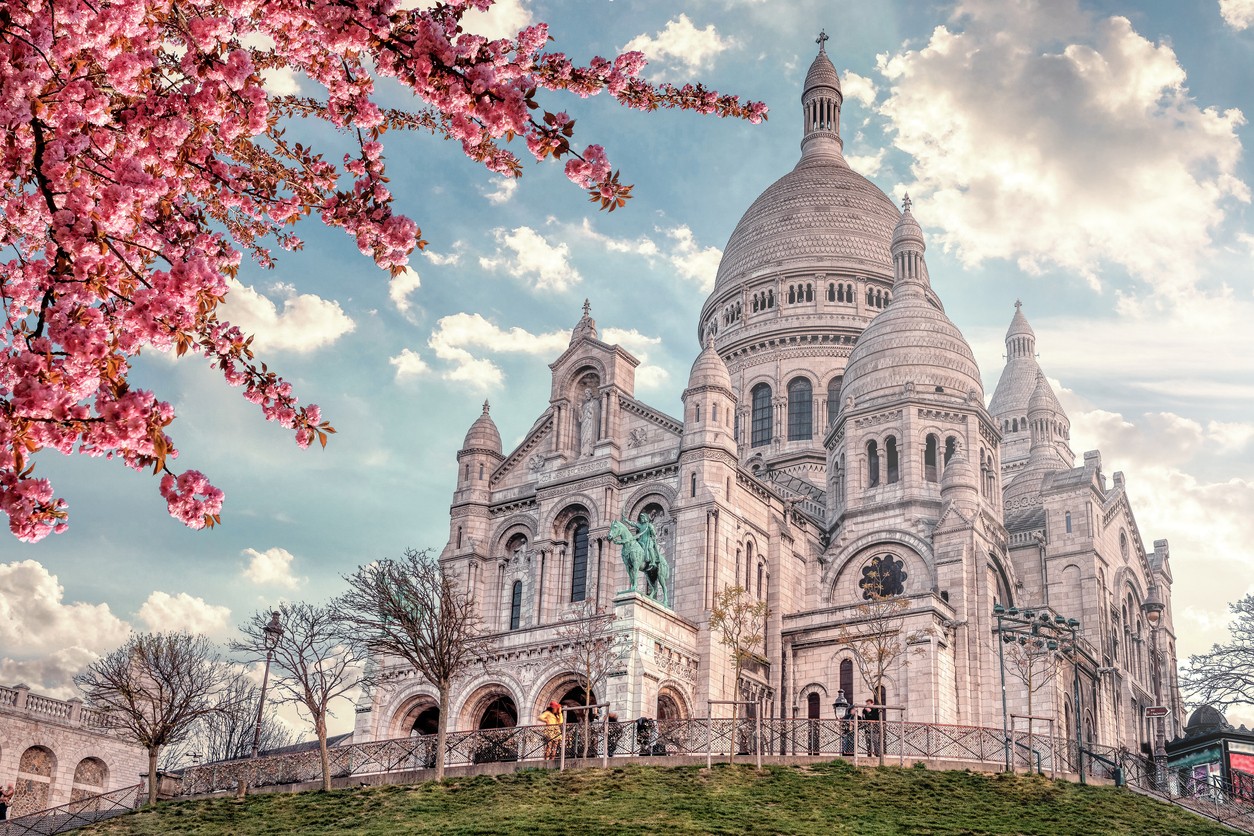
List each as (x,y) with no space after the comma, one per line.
(638,542)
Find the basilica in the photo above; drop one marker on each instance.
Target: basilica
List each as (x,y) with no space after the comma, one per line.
(835,448)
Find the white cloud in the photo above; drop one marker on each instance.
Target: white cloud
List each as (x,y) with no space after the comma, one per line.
(648,376)
(868,166)
(689,259)
(401,286)
(277,81)
(533,259)
(409,364)
(35,621)
(307,322)
(52,674)
(681,44)
(163,612)
(858,87)
(273,567)
(1239,14)
(504,190)
(502,20)
(442,259)
(456,335)
(1043,134)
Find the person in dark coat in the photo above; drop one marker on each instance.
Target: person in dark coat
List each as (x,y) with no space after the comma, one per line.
(871,717)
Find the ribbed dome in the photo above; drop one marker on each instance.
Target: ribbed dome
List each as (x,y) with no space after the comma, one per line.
(911,342)
(1205,718)
(821,215)
(1018,378)
(1043,399)
(483,434)
(709,370)
(1019,326)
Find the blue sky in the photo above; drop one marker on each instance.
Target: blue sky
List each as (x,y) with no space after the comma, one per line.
(1086,157)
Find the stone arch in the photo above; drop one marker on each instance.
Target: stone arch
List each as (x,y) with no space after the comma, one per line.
(577,377)
(645,495)
(813,688)
(506,530)
(36,775)
(406,713)
(559,519)
(91,776)
(922,574)
(560,687)
(484,703)
(669,692)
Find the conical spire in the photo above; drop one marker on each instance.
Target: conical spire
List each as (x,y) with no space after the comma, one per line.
(821,99)
(909,268)
(1020,338)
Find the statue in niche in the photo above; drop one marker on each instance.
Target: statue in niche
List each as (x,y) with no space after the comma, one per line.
(587,424)
(641,554)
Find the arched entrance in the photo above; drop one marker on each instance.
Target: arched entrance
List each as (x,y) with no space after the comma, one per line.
(427,721)
(90,777)
(35,775)
(497,741)
(500,713)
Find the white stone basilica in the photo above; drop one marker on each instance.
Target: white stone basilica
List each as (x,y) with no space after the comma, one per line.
(834,427)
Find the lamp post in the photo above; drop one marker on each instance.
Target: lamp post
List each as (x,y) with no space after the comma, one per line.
(1153,609)
(273,632)
(1042,631)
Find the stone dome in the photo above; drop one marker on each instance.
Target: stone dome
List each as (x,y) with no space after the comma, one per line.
(912,343)
(709,370)
(1206,718)
(1018,378)
(483,434)
(822,72)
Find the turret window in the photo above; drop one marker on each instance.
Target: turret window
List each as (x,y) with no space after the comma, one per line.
(833,398)
(831,292)
(1067,521)
(893,464)
(929,459)
(579,563)
(515,605)
(800,410)
(761,421)
(951,447)
(872,464)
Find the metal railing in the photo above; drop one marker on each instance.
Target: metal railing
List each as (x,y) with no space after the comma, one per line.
(591,744)
(1228,801)
(76,814)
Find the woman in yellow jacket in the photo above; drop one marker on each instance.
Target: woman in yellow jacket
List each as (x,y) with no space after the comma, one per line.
(551,717)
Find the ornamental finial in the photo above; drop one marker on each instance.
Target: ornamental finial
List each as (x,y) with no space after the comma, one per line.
(821,40)
(587,308)
(1018,304)
(906,203)
(485,406)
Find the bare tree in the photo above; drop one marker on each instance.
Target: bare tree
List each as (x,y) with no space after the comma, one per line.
(157,686)
(1033,664)
(876,637)
(1225,676)
(228,734)
(591,649)
(740,624)
(412,609)
(313,664)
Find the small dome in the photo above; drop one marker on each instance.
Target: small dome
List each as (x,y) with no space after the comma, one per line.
(1205,719)
(483,434)
(1043,399)
(908,235)
(958,473)
(1019,326)
(709,370)
(585,327)
(1018,378)
(914,343)
(822,72)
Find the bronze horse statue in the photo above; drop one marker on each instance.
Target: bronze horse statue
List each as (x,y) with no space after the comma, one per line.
(635,560)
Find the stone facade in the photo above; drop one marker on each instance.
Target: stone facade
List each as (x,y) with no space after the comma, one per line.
(55,751)
(834,429)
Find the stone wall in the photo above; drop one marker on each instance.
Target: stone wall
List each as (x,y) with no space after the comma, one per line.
(56,751)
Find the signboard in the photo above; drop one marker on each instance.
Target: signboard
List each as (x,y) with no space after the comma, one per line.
(1157,711)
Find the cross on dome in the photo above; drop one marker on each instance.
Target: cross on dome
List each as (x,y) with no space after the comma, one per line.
(1018,304)
(906,203)
(821,40)
(587,307)
(485,406)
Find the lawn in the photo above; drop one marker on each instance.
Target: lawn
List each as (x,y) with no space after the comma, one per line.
(828,799)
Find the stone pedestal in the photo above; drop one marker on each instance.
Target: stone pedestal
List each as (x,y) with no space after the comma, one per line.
(659,653)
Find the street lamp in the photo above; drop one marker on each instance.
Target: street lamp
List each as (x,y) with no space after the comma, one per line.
(1055,634)
(273,632)
(1153,609)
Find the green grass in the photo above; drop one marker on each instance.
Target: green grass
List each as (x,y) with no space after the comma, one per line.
(827,799)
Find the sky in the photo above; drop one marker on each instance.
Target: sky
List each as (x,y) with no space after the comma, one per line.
(1087,158)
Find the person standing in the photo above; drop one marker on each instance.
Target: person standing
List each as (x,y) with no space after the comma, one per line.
(6,800)
(871,717)
(551,717)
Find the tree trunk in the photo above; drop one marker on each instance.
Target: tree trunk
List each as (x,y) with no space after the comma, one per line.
(735,705)
(152,774)
(441,736)
(321,727)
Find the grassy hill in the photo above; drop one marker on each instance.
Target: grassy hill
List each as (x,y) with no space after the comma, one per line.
(828,799)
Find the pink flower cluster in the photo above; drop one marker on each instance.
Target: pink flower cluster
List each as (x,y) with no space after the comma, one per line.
(141,158)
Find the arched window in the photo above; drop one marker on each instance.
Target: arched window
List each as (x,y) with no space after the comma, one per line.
(890,453)
(846,679)
(929,459)
(761,421)
(480,471)
(951,447)
(459,536)
(760,568)
(770,298)
(1067,520)
(792,294)
(800,410)
(748,563)
(809,293)
(872,464)
(579,563)
(693,484)
(833,398)
(831,292)
(515,605)
(714,413)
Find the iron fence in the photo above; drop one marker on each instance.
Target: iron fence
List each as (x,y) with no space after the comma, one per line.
(80,813)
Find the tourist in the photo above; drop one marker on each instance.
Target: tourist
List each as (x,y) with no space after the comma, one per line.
(871,717)
(551,717)
(615,733)
(6,799)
